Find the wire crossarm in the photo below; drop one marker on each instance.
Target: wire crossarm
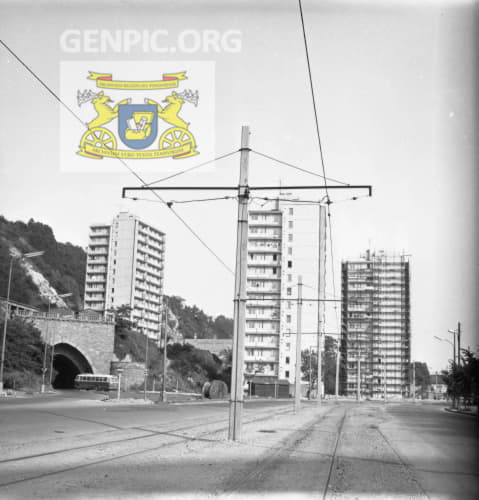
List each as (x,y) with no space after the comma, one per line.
(237,188)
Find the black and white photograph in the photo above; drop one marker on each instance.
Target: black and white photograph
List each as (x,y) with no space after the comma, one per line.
(238,249)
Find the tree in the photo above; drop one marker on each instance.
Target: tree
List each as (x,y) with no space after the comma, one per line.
(23,354)
(463,380)
(309,363)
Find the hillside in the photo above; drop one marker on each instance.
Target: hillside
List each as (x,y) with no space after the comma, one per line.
(61,267)
(192,321)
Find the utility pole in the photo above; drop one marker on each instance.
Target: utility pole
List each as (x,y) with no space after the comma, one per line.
(5,321)
(414,381)
(236,403)
(165,342)
(384,379)
(243,190)
(309,371)
(321,293)
(454,348)
(45,348)
(146,364)
(297,380)
(336,384)
(458,343)
(358,385)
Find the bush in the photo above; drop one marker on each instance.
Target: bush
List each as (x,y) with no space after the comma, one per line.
(23,354)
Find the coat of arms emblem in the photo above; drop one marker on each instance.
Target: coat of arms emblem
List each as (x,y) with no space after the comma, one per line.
(138,125)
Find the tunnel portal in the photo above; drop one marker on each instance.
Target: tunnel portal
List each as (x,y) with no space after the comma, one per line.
(68,362)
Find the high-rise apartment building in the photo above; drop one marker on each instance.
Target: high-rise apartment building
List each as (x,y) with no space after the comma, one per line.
(282,244)
(125,261)
(376,325)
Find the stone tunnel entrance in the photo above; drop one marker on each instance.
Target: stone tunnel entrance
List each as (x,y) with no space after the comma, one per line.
(68,362)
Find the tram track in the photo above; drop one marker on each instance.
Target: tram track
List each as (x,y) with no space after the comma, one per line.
(108,448)
(333,456)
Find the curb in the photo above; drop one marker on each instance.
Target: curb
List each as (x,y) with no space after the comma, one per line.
(470,414)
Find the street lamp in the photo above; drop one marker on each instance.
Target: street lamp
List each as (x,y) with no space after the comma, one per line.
(449,342)
(62,296)
(28,255)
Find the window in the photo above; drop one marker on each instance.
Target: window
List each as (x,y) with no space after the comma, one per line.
(290,237)
(287,360)
(290,277)
(288,291)
(290,250)
(288,318)
(286,373)
(290,211)
(288,345)
(274,270)
(290,224)
(275,256)
(290,264)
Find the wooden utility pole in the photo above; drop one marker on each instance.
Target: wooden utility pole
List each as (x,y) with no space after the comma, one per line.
(384,378)
(413,381)
(165,342)
(358,388)
(236,402)
(321,293)
(310,374)
(458,343)
(297,379)
(336,382)
(146,363)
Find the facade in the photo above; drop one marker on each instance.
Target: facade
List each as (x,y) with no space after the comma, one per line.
(376,325)
(125,261)
(282,244)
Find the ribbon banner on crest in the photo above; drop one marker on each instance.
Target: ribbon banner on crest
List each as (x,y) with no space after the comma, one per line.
(105,81)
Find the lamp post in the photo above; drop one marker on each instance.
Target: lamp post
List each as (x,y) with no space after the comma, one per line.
(62,296)
(28,255)
(453,347)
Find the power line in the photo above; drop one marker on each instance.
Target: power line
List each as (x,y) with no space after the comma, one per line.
(298,168)
(192,231)
(192,168)
(312,96)
(171,202)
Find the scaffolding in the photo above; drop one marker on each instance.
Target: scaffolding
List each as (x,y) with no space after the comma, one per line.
(376,325)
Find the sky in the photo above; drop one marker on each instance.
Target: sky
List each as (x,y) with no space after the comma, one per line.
(395,87)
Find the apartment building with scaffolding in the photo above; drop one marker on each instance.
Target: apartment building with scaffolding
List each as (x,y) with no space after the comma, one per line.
(376,332)
(125,262)
(282,244)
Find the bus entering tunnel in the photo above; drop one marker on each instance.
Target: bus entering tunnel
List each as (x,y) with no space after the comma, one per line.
(68,362)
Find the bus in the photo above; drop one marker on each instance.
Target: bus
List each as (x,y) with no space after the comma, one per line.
(96,382)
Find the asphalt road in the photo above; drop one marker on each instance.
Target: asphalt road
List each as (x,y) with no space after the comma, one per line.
(62,447)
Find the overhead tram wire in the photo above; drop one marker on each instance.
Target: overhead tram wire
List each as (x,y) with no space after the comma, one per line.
(199,200)
(313,97)
(301,169)
(122,161)
(218,158)
(309,202)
